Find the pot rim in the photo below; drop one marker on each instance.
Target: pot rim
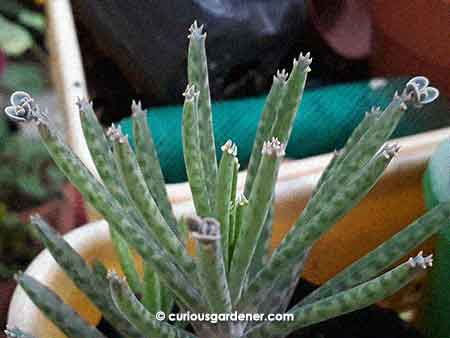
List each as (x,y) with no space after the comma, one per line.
(296,181)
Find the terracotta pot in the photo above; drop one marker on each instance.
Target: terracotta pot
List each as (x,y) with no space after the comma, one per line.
(6,291)
(392,204)
(63,213)
(411,37)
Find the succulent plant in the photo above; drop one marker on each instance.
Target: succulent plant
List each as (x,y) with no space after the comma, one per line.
(232,270)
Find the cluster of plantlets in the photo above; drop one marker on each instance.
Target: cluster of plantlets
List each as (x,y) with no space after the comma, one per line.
(232,269)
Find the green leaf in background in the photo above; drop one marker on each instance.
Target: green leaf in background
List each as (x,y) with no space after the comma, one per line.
(14,39)
(25,76)
(32,20)
(17,12)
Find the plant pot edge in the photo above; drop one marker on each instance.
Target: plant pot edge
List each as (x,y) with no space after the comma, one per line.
(297,179)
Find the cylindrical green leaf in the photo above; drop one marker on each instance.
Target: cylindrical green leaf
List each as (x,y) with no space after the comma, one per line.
(138,315)
(93,285)
(255,214)
(350,300)
(266,122)
(198,76)
(386,253)
(290,101)
(102,156)
(210,263)
(96,194)
(61,314)
(148,160)
(305,232)
(152,290)
(224,189)
(192,153)
(137,188)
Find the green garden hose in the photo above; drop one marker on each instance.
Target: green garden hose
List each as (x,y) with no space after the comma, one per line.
(326,118)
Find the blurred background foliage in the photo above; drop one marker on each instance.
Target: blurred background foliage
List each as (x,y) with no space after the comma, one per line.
(27,174)
(23,57)
(28,177)
(17,244)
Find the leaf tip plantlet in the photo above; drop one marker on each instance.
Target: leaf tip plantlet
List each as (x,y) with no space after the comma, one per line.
(304,61)
(281,75)
(190,94)
(374,111)
(390,150)
(420,261)
(420,92)
(196,31)
(136,108)
(84,104)
(115,134)
(23,108)
(231,270)
(273,148)
(230,148)
(14,332)
(241,199)
(205,230)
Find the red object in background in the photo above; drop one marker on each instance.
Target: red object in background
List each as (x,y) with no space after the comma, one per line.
(402,37)
(345,25)
(412,37)
(6,291)
(2,62)
(63,214)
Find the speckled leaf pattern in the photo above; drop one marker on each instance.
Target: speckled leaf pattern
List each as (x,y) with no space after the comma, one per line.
(291,99)
(211,271)
(224,190)
(255,214)
(152,291)
(232,269)
(99,269)
(94,286)
(56,310)
(278,300)
(138,315)
(192,153)
(256,299)
(239,207)
(96,194)
(137,188)
(369,121)
(350,300)
(304,233)
(198,76)
(233,208)
(126,261)
(263,132)
(386,253)
(262,250)
(359,151)
(148,160)
(100,150)
(15,332)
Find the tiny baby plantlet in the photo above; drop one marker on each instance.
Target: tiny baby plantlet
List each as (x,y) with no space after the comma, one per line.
(232,268)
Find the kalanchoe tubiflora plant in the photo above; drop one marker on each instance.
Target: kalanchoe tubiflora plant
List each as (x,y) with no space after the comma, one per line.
(232,268)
